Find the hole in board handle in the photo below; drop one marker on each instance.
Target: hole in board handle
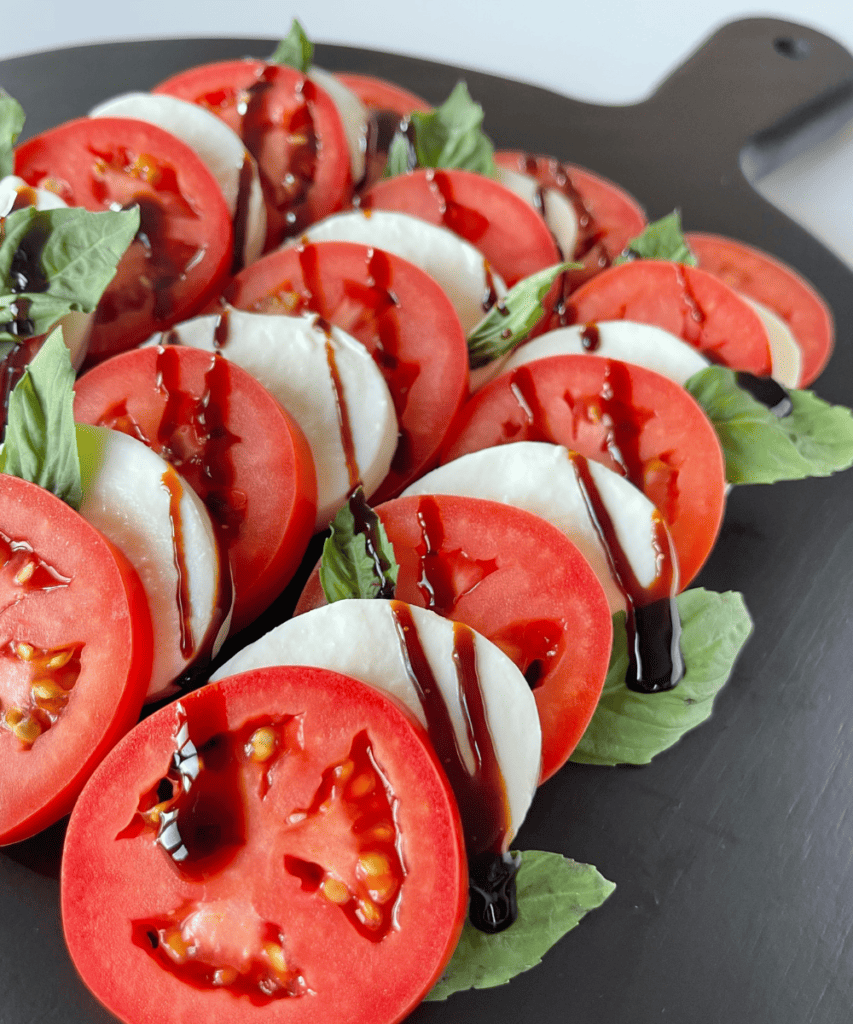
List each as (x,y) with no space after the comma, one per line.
(793,49)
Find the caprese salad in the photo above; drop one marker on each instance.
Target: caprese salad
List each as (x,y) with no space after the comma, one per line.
(311,306)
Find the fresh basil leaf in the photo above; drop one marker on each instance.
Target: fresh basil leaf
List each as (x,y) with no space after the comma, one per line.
(513,317)
(294,51)
(630,727)
(554,893)
(11,125)
(358,559)
(41,442)
(449,136)
(77,253)
(661,240)
(815,439)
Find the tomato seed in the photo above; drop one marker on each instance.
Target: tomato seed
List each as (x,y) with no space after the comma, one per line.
(335,891)
(262,744)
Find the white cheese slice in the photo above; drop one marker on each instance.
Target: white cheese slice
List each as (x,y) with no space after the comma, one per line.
(786,357)
(556,208)
(354,118)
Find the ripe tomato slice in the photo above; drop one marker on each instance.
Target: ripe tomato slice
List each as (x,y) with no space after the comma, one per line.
(689,303)
(508,232)
(316,866)
(75,645)
(632,420)
(391,307)
(182,252)
(291,127)
(608,217)
(380,94)
(518,581)
(245,457)
(774,284)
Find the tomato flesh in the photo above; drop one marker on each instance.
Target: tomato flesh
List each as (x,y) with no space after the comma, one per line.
(280,846)
(75,655)
(634,421)
(379,94)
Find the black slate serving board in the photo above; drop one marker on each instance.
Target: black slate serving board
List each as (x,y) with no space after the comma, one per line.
(733,852)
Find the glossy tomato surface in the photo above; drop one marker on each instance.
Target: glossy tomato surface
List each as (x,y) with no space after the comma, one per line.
(182,251)
(397,312)
(686,301)
(509,232)
(244,456)
(779,287)
(517,580)
(75,645)
(291,127)
(278,846)
(634,421)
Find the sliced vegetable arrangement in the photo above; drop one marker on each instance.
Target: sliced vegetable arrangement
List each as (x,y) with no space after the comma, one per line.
(320,823)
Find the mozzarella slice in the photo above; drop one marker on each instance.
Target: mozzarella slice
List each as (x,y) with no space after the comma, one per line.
(145,509)
(362,639)
(641,344)
(541,478)
(455,264)
(15,193)
(556,208)
(353,116)
(786,357)
(325,379)
(219,147)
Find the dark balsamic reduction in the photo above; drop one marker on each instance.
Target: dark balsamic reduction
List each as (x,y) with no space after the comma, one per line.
(767,391)
(366,523)
(25,271)
(590,338)
(241,212)
(167,260)
(493,901)
(344,424)
(174,489)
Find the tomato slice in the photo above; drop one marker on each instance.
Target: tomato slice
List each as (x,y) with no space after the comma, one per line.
(632,420)
(779,287)
(393,308)
(245,457)
(689,303)
(182,252)
(380,94)
(518,581)
(291,127)
(608,217)
(511,235)
(75,644)
(295,828)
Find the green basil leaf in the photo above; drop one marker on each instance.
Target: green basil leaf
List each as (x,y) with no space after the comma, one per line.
(358,559)
(631,728)
(294,51)
(78,252)
(449,136)
(554,893)
(815,439)
(661,240)
(41,442)
(11,125)
(513,317)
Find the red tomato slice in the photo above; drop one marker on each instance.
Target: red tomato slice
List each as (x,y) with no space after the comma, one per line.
(317,863)
(774,284)
(632,420)
(689,303)
(75,643)
(182,252)
(508,232)
(397,312)
(518,581)
(291,127)
(379,94)
(245,457)
(608,217)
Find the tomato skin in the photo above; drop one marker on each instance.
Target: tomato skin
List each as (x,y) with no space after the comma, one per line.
(103,607)
(379,94)
(686,301)
(185,241)
(667,443)
(392,308)
(263,503)
(518,581)
(777,286)
(511,235)
(114,875)
(270,107)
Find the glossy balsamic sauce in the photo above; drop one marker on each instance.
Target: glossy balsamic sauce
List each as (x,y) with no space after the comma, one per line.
(344,425)
(241,212)
(173,487)
(167,260)
(590,338)
(455,216)
(366,524)
(768,392)
(481,794)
